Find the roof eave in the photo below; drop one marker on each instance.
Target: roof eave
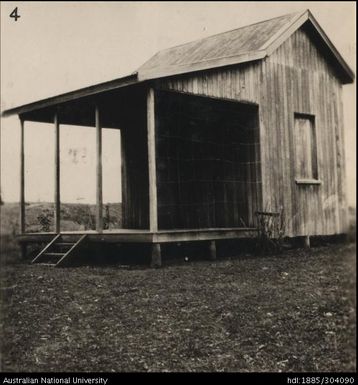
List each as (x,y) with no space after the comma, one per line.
(73,95)
(349,78)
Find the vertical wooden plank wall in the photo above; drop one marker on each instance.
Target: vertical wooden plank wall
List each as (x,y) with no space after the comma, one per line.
(308,84)
(237,84)
(295,78)
(341,162)
(135,194)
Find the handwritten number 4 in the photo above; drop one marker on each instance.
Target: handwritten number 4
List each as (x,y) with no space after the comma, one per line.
(14,14)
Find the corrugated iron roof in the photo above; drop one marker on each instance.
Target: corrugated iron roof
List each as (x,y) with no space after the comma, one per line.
(224,45)
(252,42)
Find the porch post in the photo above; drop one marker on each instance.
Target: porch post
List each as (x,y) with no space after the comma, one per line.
(99,199)
(57,174)
(22,177)
(153,213)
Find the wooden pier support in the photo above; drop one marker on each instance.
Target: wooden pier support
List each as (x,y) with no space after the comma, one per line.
(307,242)
(212,250)
(156,260)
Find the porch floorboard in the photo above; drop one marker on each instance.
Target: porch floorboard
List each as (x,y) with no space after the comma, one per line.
(146,236)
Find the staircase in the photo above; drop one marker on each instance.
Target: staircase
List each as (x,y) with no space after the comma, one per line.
(60,250)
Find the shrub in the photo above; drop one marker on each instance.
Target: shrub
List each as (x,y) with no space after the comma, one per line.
(45,221)
(271,231)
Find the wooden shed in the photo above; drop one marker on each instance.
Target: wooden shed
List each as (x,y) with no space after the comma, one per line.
(213,132)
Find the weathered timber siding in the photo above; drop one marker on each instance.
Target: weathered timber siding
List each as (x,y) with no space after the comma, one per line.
(295,78)
(304,82)
(239,83)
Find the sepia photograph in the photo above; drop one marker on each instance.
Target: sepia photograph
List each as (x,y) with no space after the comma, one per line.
(178,189)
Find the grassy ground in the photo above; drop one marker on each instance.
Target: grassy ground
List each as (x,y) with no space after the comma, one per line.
(293,312)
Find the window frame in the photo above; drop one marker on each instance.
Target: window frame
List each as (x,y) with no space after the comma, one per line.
(314,180)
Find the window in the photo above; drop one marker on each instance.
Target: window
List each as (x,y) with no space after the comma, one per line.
(306,170)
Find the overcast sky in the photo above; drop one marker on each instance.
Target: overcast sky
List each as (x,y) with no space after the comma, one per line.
(55,47)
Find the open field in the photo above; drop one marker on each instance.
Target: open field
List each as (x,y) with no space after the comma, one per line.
(74,216)
(291,312)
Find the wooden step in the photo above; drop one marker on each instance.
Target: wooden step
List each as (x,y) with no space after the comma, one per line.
(62,247)
(48,264)
(70,238)
(51,258)
(59,249)
(38,257)
(54,254)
